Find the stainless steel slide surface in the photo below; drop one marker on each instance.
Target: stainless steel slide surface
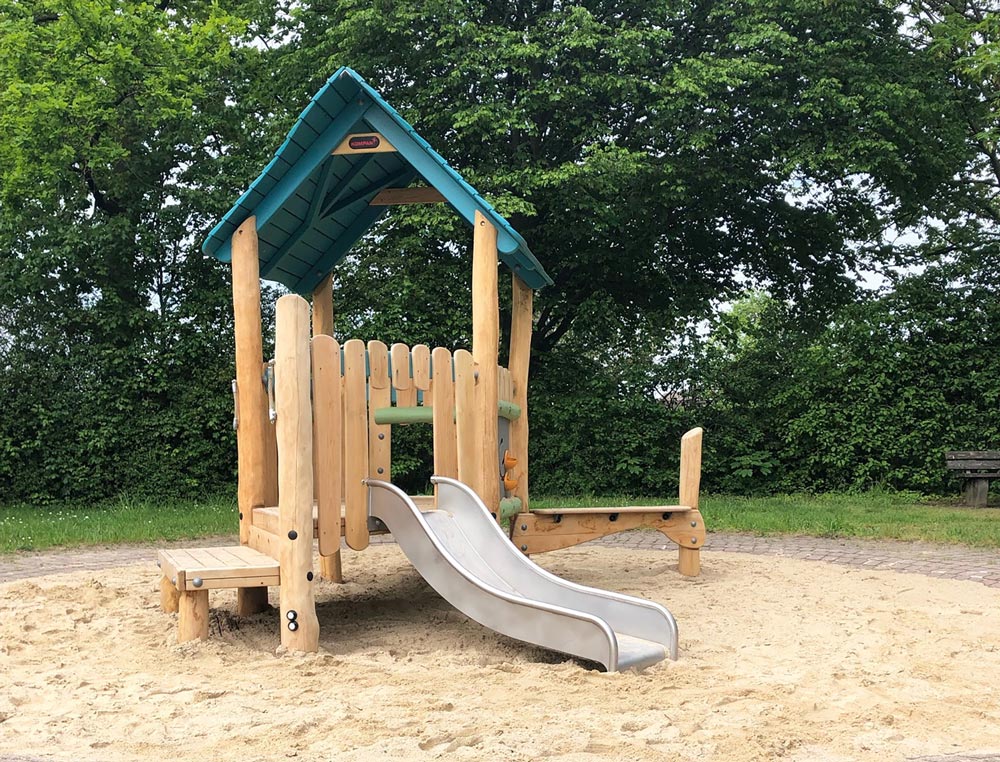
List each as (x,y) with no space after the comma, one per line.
(466,557)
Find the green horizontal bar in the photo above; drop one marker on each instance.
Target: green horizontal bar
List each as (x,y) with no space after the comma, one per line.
(425,414)
(509,506)
(404,415)
(508,410)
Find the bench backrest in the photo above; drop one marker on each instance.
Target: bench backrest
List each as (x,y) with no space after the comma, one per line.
(972,461)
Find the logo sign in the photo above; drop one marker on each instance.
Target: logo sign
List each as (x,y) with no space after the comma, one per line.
(360,142)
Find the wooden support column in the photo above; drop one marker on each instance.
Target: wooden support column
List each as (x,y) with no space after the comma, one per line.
(322,302)
(485,351)
(299,625)
(169,597)
(192,616)
(254,427)
(689,559)
(520,358)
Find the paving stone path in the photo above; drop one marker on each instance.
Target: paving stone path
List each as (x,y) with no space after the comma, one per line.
(944,561)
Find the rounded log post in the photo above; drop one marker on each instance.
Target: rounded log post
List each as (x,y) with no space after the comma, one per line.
(520,358)
(250,600)
(254,427)
(485,351)
(689,559)
(322,303)
(192,620)
(299,625)
(168,596)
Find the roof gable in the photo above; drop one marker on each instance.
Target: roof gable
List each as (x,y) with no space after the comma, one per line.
(312,205)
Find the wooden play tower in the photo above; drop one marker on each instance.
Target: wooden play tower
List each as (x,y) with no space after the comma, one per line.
(314,424)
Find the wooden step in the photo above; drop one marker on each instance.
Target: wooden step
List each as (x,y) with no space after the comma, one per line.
(211,568)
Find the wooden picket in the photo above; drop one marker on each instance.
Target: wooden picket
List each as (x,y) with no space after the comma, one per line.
(469,453)
(379,396)
(421,356)
(327,444)
(406,392)
(443,402)
(355,445)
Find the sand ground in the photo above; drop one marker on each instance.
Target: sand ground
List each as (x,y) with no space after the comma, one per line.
(780,659)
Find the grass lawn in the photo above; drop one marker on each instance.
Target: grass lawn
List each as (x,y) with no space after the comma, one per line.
(25,527)
(873,515)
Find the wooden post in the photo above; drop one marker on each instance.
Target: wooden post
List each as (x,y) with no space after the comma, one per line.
(299,625)
(192,617)
(254,427)
(485,350)
(520,358)
(322,302)
(689,559)
(168,596)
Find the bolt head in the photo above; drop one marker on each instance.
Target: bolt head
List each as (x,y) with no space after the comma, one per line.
(524,527)
(694,523)
(524,548)
(381,436)
(197,582)
(694,540)
(293,626)
(292,534)
(291,615)
(381,470)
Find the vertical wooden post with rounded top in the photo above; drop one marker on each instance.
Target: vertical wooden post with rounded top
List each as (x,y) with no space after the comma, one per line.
(520,358)
(254,426)
(689,559)
(292,363)
(322,303)
(485,351)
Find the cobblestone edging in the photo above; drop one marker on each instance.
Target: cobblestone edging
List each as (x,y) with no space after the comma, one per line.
(944,561)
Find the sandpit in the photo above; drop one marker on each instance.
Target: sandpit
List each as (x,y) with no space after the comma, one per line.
(786,659)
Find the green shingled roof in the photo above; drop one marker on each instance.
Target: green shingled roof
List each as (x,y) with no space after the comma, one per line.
(312,206)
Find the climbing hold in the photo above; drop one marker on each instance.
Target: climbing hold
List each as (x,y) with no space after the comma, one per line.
(509,461)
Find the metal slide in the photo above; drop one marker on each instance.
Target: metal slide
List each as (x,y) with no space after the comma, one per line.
(466,557)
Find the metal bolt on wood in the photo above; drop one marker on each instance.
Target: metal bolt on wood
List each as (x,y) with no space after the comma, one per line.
(197,582)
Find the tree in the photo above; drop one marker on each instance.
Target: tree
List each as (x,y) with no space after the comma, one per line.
(117,121)
(649,152)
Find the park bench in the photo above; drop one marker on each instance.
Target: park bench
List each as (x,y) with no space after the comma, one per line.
(977,468)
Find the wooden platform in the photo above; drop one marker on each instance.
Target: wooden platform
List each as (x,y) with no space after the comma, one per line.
(213,568)
(610,510)
(267,518)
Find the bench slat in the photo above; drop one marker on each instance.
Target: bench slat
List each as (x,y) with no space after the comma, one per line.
(973,455)
(973,465)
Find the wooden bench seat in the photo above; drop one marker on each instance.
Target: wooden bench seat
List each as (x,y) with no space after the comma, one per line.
(978,468)
(189,573)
